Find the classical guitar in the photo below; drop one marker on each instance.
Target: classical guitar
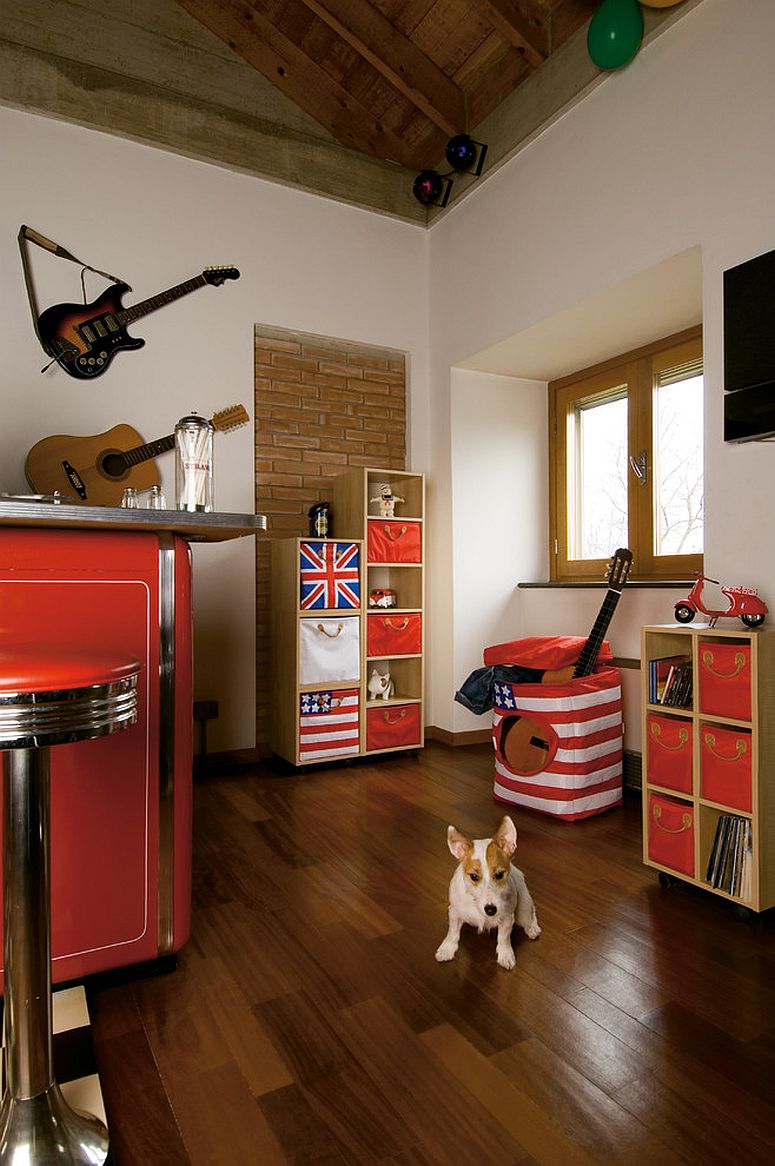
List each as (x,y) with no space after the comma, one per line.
(522,741)
(95,470)
(84,338)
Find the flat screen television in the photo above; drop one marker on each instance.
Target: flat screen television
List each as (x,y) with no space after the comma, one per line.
(749,349)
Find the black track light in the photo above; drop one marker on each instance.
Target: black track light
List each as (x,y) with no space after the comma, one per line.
(431,188)
(464,154)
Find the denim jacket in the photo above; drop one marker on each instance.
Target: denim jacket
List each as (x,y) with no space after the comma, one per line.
(476,691)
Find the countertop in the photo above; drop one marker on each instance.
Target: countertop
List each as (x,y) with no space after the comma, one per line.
(197,527)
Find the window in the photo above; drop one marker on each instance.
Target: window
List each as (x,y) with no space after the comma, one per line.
(626,465)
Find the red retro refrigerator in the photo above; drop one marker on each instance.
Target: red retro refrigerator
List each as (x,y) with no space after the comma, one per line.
(120,805)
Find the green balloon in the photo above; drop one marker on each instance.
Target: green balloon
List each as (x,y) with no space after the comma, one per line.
(615,33)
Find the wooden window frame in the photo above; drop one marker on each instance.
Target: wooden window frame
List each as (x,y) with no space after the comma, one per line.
(636,370)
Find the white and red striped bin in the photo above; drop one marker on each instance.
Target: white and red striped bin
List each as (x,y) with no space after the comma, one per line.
(558,747)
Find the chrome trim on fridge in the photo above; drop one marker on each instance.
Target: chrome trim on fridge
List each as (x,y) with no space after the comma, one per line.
(166,870)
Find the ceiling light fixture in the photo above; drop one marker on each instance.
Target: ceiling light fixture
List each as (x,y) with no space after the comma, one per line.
(464,155)
(431,188)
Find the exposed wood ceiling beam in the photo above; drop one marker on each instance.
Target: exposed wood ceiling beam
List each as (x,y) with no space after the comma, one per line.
(518,31)
(251,35)
(393,55)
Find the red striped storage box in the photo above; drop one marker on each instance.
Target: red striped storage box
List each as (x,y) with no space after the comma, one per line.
(329,724)
(558,747)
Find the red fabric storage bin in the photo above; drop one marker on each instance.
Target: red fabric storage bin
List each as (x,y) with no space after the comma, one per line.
(725,766)
(671,833)
(393,726)
(393,540)
(669,752)
(725,678)
(394,635)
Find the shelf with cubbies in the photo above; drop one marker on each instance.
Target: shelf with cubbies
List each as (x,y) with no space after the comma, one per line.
(316,588)
(709,759)
(394,554)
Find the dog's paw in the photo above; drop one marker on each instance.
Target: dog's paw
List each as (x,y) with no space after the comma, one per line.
(533,931)
(506,958)
(446,951)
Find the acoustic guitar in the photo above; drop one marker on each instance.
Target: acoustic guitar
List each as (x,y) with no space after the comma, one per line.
(84,338)
(95,470)
(522,741)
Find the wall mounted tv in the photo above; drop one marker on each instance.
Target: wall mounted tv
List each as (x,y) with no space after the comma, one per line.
(749,350)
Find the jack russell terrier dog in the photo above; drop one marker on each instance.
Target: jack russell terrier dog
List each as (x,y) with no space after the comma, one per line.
(486,891)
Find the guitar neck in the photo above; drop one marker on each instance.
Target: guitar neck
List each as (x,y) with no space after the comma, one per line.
(589,653)
(143,453)
(129,315)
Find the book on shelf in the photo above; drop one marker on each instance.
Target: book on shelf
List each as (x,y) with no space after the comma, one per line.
(670,678)
(729,862)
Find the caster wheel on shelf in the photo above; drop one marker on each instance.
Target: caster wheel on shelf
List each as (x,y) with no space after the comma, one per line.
(744,914)
(667,881)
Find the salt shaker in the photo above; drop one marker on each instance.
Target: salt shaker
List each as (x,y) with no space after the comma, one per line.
(194,463)
(129,499)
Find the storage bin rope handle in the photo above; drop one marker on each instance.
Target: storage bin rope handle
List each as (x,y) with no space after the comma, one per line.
(400,717)
(686,822)
(396,627)
(393,534)
(741,747)
(707,659)
(331,635)
(683,737)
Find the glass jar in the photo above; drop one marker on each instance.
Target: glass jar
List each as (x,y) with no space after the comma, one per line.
(194,463)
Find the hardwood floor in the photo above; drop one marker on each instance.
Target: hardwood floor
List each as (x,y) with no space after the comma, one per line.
(308,1022)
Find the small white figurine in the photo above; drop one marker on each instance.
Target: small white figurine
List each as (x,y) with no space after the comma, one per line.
(387,501)
(380,685)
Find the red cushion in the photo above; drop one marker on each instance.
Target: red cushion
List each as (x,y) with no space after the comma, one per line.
(39,668)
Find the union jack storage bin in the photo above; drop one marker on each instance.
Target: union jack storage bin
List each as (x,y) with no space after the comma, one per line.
(329,575)
(558,747)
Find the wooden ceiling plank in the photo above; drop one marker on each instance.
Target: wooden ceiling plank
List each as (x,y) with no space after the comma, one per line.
(249,34)
(518,31)
(398,60)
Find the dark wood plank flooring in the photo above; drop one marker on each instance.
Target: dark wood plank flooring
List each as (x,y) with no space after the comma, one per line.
(308,1022)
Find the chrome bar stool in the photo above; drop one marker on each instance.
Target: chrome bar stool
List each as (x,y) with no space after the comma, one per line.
(48,696)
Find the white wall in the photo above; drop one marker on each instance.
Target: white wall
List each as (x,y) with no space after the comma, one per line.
(154,220)
(499,487)
(672,152)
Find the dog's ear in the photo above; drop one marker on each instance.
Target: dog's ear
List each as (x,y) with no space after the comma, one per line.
(506,838)
(460,846)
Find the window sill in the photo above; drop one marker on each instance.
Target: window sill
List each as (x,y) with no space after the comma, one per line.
(681,584)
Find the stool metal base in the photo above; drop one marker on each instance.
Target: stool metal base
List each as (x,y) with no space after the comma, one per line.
(46,1131)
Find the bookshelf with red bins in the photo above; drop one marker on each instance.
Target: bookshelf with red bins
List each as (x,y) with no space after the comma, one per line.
(709,759)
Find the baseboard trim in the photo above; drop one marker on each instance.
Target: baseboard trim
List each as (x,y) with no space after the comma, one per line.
(472,737)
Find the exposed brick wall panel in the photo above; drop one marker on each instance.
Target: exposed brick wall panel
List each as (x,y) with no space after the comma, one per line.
(322,404)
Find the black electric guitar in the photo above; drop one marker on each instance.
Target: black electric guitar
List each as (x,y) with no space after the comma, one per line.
(95,470)
(522,741)
(84,338)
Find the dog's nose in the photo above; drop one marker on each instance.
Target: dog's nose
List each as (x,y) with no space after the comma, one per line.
(490,909)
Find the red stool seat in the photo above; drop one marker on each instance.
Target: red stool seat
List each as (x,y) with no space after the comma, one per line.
(33,668)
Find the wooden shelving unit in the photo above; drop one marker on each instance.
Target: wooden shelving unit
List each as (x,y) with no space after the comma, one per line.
(394,553)
(328,714)
(701,764)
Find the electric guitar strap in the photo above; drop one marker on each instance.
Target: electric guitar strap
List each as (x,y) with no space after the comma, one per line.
(29,235)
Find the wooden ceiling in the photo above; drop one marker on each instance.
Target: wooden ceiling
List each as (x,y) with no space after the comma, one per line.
(347,99)
(395,79)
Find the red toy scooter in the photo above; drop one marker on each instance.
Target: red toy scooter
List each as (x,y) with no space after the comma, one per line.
(743,601)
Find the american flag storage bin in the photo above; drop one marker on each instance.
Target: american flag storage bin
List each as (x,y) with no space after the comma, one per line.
(558,747)
(329,575)
(329,724)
